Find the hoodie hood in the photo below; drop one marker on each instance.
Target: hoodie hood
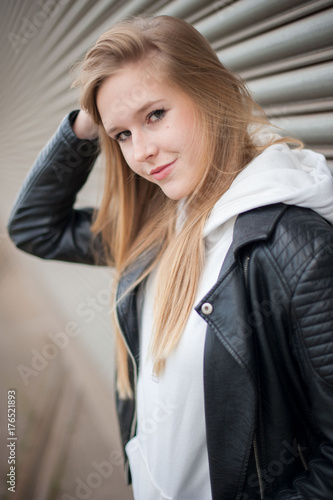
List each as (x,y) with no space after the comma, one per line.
(278,175)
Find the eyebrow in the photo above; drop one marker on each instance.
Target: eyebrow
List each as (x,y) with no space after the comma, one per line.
(137,112)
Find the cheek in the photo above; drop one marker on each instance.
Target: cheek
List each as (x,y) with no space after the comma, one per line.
(133,165)
(128,157)
(173,139)
(183,133)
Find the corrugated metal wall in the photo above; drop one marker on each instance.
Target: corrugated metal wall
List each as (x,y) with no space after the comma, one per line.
(283,48)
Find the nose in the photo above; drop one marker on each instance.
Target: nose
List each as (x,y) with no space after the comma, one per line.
(143,147)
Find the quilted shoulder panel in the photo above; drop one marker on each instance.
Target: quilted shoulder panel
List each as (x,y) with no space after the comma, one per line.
(303,250)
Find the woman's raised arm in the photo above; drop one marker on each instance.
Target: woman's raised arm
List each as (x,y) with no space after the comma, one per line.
(43,221)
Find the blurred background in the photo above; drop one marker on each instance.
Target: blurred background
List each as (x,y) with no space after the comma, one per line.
(56,347)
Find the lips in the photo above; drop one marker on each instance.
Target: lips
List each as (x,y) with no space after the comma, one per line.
(162,172)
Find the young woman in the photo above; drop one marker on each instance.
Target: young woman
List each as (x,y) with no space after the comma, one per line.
(222,240)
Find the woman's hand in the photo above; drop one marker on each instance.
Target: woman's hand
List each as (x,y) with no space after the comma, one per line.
(84,126)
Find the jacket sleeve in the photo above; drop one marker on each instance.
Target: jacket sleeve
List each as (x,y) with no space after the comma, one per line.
(43,221)
(312,310)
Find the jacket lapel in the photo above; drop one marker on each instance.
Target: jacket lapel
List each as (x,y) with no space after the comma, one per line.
(229,384)
(229,319)
(229,360)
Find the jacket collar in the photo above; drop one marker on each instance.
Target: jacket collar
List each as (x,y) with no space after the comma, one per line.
(256,225)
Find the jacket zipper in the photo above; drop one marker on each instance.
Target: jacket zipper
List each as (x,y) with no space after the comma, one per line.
(245,268)
(255,445)
(256,457)
(305,465)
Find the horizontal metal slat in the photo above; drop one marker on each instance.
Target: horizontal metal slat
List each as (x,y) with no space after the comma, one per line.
(271,23)
(312,129)
(299,85)
(324,150)
(288,64)
(300,108)
(241,14)
(208,9)
(181,8)
(130,8)
(306,35)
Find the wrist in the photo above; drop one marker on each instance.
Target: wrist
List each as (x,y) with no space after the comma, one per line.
(84,127)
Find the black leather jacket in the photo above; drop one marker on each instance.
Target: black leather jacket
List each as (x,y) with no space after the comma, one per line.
(268,365)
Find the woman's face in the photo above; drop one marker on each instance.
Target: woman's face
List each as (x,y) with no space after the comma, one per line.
(154,126)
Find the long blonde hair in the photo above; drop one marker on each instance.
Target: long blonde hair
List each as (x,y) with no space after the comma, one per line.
(135,216)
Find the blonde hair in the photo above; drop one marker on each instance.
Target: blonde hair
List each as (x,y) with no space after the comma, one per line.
(135,216)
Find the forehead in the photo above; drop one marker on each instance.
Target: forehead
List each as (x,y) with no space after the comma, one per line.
(130,89)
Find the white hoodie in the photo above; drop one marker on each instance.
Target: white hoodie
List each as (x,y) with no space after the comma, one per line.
(168,457)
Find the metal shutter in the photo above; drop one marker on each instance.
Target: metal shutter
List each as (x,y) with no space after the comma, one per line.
(283,49)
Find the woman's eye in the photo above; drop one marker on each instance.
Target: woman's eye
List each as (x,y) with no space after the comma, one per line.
(153,117)
(122,136)
(156,115)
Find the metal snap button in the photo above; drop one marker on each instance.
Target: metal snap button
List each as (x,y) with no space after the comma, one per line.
(207,308)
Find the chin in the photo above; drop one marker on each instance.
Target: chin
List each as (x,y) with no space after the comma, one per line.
(176,194)
(175,197)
